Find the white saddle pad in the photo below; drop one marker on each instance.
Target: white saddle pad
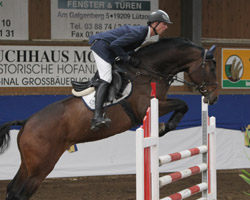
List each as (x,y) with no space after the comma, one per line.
(89,99)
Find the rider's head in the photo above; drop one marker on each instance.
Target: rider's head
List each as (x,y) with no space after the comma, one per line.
(158,21)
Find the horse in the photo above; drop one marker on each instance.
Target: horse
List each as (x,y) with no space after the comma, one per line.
(45,135)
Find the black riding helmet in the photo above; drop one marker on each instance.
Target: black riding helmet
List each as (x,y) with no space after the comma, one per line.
(158,16)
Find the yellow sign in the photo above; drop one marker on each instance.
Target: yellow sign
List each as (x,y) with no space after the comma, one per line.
(236,68)
(247,136)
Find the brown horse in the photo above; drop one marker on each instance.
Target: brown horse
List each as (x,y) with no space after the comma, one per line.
(47,134)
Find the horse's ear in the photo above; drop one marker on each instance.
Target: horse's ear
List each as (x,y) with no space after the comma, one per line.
(212,49)
(210,53)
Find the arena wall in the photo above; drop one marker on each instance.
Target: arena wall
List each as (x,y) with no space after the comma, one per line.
(224,23)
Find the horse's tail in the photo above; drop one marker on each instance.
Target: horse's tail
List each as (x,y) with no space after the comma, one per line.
(5,133)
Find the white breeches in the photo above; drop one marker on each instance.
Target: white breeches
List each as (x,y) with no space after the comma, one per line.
(104,68)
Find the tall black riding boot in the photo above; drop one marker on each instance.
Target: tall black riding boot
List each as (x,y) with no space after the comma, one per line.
(99,117)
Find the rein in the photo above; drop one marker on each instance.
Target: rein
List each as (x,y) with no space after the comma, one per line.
(169,79)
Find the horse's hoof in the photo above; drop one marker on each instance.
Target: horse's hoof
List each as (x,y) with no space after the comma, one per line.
(163,129)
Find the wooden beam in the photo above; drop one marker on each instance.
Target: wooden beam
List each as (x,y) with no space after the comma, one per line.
(191,20)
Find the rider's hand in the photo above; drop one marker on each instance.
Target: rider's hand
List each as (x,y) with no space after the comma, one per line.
(133,61)
(118,59)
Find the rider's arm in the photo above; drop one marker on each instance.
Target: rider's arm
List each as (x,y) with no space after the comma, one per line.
(128,41)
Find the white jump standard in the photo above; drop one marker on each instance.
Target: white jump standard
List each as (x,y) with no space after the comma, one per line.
(148,160)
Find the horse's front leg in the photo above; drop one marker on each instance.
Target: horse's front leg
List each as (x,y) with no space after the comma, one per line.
(179,107)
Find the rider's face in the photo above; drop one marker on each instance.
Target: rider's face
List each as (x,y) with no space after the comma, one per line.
(161,28)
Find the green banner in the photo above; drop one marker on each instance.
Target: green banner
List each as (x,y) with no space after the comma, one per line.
(104,5)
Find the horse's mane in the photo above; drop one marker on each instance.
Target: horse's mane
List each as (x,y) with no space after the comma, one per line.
(178,43)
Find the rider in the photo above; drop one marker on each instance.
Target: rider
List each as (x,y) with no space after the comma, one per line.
(114,45)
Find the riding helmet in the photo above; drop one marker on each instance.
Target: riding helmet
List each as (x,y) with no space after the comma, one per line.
(159,16)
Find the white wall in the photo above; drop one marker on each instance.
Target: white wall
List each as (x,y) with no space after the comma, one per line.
(116,155)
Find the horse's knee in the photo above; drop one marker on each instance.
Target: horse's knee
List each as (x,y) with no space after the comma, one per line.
(182,107)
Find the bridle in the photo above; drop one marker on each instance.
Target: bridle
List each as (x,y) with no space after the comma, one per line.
(169,79)
(202,88)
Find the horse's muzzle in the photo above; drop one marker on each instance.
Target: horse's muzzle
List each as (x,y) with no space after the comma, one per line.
(210,100)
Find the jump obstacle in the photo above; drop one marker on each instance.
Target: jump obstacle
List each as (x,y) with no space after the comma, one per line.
(148,160)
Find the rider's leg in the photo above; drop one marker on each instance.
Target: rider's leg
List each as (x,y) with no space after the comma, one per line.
(105,73)
(99,116)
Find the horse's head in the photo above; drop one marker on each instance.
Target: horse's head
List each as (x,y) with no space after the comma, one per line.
(203,74)
(169,56)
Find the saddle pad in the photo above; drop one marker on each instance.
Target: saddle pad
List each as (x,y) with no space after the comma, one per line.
(89,99)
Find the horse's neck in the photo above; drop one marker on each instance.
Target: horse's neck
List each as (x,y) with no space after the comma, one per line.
(177,61)
(166,68)
(167,62)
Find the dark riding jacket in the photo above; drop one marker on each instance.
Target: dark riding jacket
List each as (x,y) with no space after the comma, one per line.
(118,42)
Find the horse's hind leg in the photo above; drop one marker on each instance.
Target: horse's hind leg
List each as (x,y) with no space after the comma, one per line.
(26,182)
(36,164)
(22,190)
(19,178)
(26,189)
(23,185)
(179,107)
(17,182)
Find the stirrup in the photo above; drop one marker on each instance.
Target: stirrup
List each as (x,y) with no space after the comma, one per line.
(104,121)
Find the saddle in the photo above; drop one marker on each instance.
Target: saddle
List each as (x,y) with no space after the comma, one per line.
(120,80)
(119,89)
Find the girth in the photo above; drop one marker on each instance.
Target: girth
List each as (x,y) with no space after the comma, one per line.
(127,108)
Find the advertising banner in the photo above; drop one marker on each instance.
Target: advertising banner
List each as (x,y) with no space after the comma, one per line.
(235,68)
(45,66)
(14,20)
(79,19)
